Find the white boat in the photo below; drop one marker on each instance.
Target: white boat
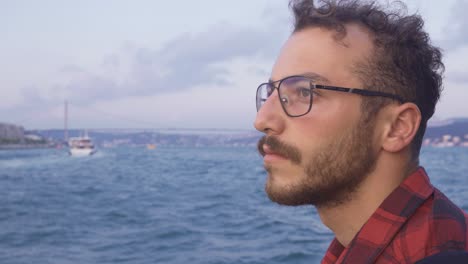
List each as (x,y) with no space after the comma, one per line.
(81,146)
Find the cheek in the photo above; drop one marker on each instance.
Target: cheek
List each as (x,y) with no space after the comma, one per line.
(311,147)
(328,119)
(313,133)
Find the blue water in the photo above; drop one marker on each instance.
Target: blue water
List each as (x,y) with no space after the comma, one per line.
(169,205)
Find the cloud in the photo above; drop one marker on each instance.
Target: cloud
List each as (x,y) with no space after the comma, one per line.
(69,68)
(192,59)
(189,60)
(456,29)
(191,65)
(458,77)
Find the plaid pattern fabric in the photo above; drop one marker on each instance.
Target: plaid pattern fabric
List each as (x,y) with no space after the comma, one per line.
(415,221)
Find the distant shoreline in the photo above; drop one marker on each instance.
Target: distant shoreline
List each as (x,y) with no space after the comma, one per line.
(25,146)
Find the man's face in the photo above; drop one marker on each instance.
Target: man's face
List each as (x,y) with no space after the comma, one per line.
(322,157)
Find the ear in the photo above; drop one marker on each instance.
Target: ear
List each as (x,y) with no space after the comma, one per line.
(404,123)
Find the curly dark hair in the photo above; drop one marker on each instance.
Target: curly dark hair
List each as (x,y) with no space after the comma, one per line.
(403,62)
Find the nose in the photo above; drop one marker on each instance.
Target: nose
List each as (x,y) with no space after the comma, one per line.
(270,117)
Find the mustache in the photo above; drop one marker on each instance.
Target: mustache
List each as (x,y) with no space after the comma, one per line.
(279,148)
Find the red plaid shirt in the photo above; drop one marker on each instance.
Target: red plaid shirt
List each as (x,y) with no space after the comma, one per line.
(415,221)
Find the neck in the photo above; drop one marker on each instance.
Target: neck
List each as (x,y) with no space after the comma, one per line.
(346,219)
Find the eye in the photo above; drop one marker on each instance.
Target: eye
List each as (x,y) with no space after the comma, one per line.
(304,92)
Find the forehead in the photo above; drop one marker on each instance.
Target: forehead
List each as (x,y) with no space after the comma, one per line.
(316,50)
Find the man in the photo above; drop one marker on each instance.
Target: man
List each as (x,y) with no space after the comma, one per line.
(344,115)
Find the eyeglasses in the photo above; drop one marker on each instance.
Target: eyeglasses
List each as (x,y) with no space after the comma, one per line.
(296,94)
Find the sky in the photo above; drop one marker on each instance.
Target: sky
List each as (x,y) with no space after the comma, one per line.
(168,64)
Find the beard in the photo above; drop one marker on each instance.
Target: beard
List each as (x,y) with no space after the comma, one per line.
(330,176)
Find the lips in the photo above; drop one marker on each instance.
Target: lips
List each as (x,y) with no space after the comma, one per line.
(266,147)
(269,155)
(274,150)
(267,150)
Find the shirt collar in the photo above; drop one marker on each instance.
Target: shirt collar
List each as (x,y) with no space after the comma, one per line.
(385,222)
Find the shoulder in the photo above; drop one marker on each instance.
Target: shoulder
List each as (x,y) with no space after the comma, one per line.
(452,257)
(448,225)
(437,226)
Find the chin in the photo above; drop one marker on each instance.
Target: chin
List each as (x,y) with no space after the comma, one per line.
(283,190)
(278,179)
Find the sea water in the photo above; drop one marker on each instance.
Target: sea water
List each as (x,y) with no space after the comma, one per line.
(168,205)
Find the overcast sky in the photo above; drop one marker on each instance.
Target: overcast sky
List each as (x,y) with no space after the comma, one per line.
(168,64)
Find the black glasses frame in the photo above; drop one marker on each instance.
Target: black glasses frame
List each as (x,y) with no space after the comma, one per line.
(358,91)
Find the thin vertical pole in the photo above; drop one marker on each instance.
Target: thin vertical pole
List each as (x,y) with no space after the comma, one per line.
(66,121)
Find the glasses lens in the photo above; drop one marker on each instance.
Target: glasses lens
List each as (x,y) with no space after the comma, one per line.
(263,92)
(296,95)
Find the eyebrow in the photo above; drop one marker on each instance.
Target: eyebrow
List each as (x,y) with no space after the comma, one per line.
(312,75)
